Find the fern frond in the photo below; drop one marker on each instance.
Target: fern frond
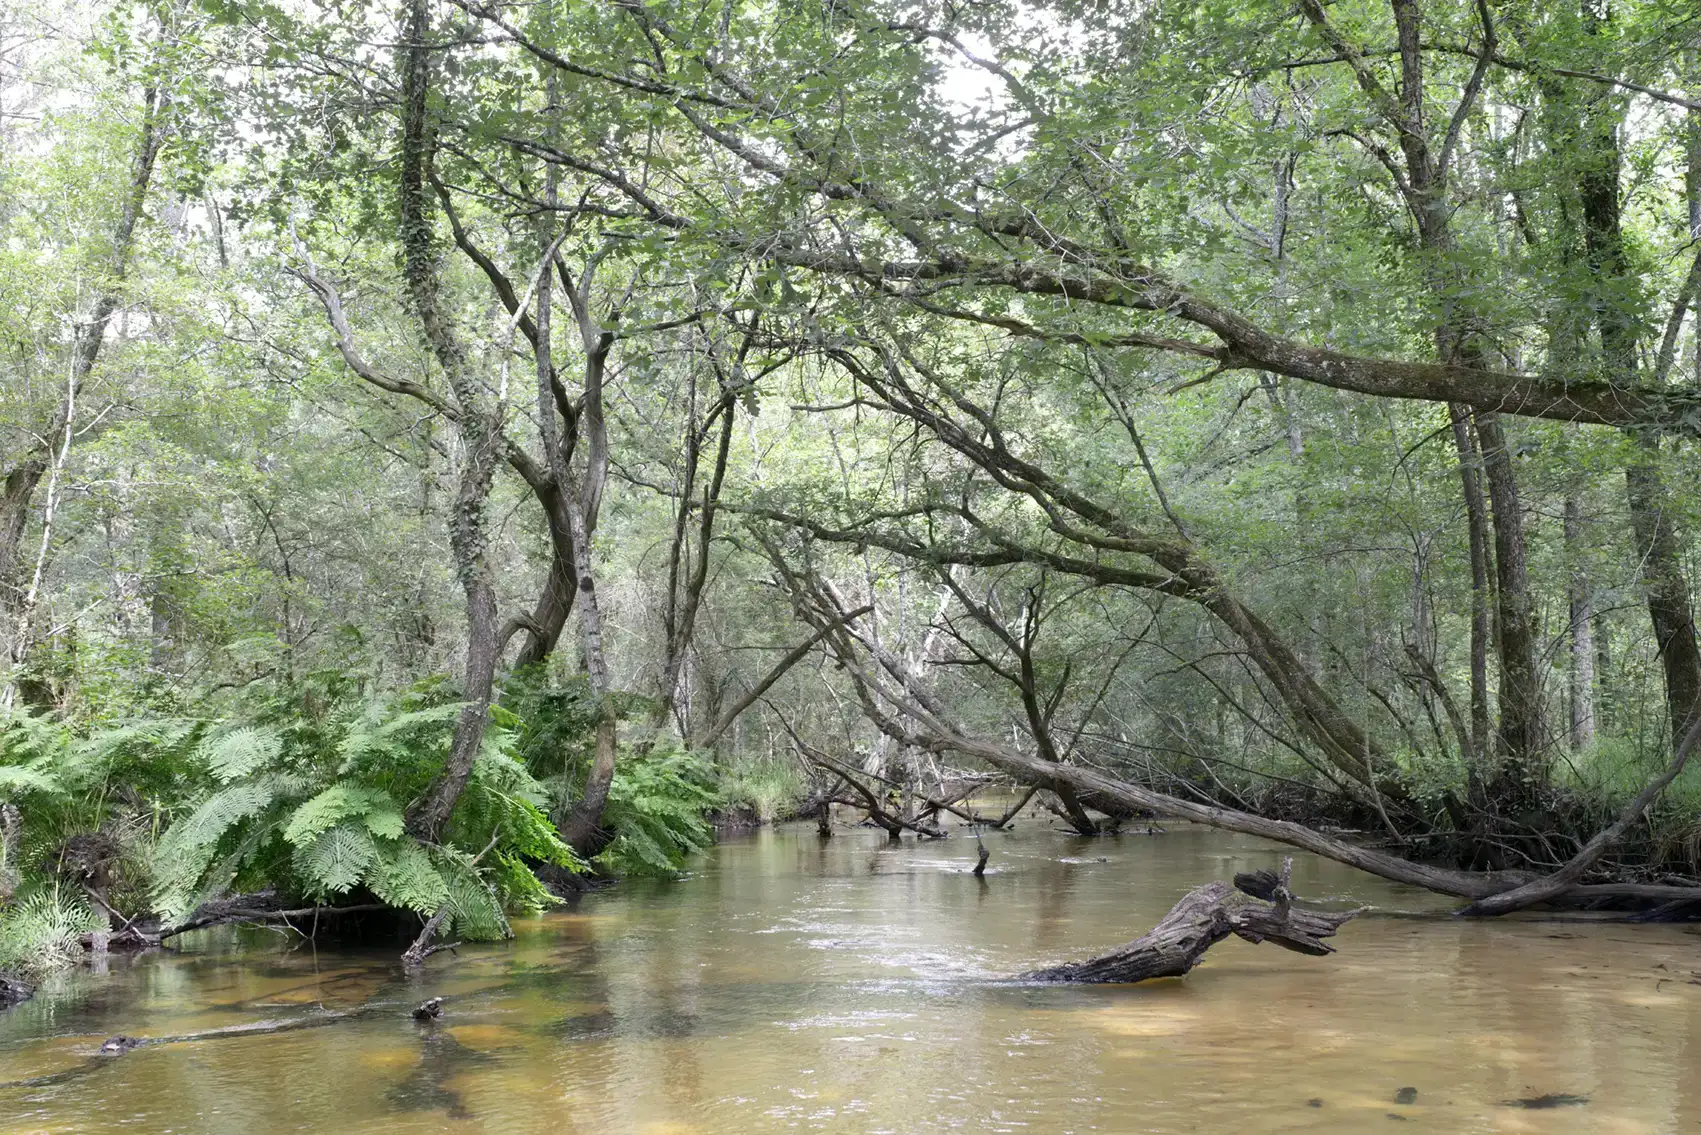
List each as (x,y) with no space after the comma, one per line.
(18,780)
(403,875)
(520,889)
(136,739)
(335,861)
(26,737)
(385,820)
(475,911)
(40,930)
(656,805)
(219,812)
(338,803)
(240,752)
(402,739)
(190,845)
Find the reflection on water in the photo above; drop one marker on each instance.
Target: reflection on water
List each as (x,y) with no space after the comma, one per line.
(852,985)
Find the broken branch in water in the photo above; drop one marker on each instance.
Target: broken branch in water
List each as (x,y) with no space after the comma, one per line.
(422,947)
(1205,916)
(221,914)
(119,1045)
(870,799)
(1552,886)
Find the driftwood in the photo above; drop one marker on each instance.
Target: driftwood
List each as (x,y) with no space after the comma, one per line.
(1205,916)
(422,947)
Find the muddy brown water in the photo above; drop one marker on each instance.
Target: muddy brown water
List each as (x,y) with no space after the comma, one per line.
(790,984)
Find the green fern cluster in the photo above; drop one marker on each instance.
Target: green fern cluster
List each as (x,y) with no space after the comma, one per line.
(65,784)
(314,808)
(307,795)
(39,930)
(657,807)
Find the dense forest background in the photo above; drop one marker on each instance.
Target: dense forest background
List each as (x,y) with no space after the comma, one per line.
(452,447)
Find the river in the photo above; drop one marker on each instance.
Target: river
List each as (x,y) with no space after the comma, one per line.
(794,984)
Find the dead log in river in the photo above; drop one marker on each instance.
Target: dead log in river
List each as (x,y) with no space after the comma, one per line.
(1205,916)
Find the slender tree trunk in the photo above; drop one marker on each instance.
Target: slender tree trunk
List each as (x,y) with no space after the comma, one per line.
(480,432)
(1521,736)
(582,826)
(680,620)
(1476,519)
(21,480)
(1582,633)
(1652,513)
(1670,609)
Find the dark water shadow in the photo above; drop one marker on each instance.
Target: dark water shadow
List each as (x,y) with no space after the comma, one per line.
(441,1058)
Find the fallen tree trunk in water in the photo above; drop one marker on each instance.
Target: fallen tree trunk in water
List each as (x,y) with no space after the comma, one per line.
(1551,886)
(1205,916)
(1471,885)
(121,1044)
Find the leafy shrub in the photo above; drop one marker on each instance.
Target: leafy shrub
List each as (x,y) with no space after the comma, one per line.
(768,788)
